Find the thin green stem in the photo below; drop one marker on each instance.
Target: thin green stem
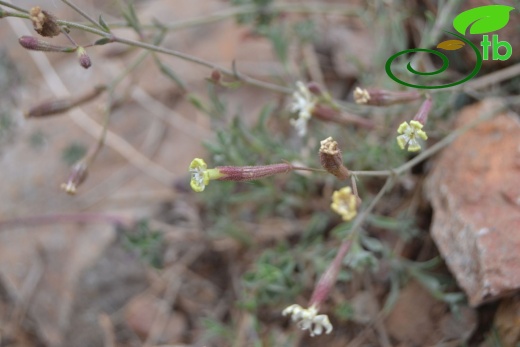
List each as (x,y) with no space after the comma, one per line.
(83,13)
(364,213)
(108,110)
(84,28)
(382,173)
(4,14)
(193,59)
(316,8)
(6,4)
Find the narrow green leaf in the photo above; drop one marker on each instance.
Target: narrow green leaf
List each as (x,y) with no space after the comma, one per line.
(102,42)
(198,103)
(103,24)
(168,72)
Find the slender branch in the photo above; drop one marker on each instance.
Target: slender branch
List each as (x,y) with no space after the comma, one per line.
(193,59)
(6,4)
(108,110)
(364,213)
(83,13)
(4,14)
(313,8)
(382,173)
(187,57)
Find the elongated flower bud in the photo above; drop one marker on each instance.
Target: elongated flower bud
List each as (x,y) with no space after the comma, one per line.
(44,23)
(55,107)
(424,111)
(201,175)
(248,173)
(331,159)
(34,44)
(381,97)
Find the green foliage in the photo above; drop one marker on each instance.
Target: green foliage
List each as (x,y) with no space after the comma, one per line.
(261,16)
(73,153)
(37,139)
(280,274)
(344,311)
(146,242)
(6,124)
(273,278)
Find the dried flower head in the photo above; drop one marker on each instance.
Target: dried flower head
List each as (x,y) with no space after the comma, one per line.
(77,176)
(35,44)
(44,23)
(309,319)
(381,97)
(303,103)
(344,203)
(410,133)
(331,159)
(84,59)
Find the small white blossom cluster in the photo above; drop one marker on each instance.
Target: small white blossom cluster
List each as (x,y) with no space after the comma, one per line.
(361,96)
(308,319)
(303,103)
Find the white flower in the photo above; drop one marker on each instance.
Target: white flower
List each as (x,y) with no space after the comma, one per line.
(303,103)
(410,133)
(308,319)
(361,96)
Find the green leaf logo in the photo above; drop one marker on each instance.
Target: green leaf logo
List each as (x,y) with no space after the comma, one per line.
(483,19)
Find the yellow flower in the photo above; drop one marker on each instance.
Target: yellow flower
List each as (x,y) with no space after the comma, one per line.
(308,319)
(201,175)
(344,203)
(410,133)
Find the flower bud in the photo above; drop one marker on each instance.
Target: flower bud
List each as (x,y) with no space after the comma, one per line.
(249,173)
(84,59)
(77,176)
(314,88)
(424,111)
(44,23)
(201,175)
(216,76)
(331,159)
(55,107)
(381,97)
(34,44)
